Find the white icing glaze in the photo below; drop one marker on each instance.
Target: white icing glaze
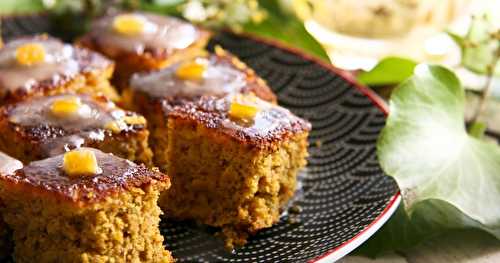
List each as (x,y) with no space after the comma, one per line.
(9,165)
(219,79)
(268,118)
(91,114)
(58,62)
(88,124)
(161,32)
(60,145)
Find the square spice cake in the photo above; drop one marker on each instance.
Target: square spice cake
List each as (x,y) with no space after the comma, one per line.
(42,65)
(85,206)
(155,93)
(233,163)
(8,165)
(45,126)
(142,42)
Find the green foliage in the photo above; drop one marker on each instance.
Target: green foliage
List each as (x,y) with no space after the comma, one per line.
(20,6)
(286,27)
(448,178)
(480,46)
(477,129)
(389,71)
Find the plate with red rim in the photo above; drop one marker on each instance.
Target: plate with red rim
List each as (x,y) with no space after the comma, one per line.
(344,196)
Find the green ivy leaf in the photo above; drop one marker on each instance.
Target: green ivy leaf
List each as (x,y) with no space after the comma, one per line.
(389,71)
(479,48)
(20,6)
(448,178)
(285,27)
(429,220)
(459,40)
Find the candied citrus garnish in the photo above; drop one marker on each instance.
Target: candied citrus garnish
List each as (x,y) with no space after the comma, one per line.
(242,111)
(129,24)
(134,120)
(114,126)
(192,70)
(80,162)
(30,54)
(65,107)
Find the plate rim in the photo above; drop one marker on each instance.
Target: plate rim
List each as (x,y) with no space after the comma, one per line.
(345,248)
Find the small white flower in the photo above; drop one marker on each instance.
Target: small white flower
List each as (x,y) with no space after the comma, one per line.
(194,11)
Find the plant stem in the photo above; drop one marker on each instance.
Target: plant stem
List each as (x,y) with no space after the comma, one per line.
(487,87)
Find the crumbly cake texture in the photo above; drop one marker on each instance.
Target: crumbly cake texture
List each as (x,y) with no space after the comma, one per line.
(5,238)
(8,165)
(38,134)
(170,41)
(154,94)
(109,217)
(66,69)
(230,175)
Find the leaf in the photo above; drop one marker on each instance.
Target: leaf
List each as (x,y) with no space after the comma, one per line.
(390,70)
(444,174)
(428,223)
(398,234)
(459,40)
(480,48)
(20,6)
(477,129)
(287,28)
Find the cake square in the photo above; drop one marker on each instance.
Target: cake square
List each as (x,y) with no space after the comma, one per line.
(42,65)
(155,93)
(85,206)
(233,163)
(45,126)
(140,41)
(8,165)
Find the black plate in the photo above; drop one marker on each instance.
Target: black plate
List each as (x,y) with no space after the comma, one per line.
(345,196)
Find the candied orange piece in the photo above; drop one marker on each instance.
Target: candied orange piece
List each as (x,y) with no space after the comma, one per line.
(242,111)
(30,54)
(134,120)
(192,70)
(115,126)
(80,162)
(65,107)
(129,24)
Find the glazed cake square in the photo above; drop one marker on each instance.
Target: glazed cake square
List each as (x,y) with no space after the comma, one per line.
(141,41)
(233,163)
(41,65)
(87,207)
(8,165)
(42,127)
(154,94)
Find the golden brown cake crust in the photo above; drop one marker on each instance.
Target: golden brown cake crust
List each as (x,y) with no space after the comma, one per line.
(88,63)
(273,125)
(47,178)
(39,135)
